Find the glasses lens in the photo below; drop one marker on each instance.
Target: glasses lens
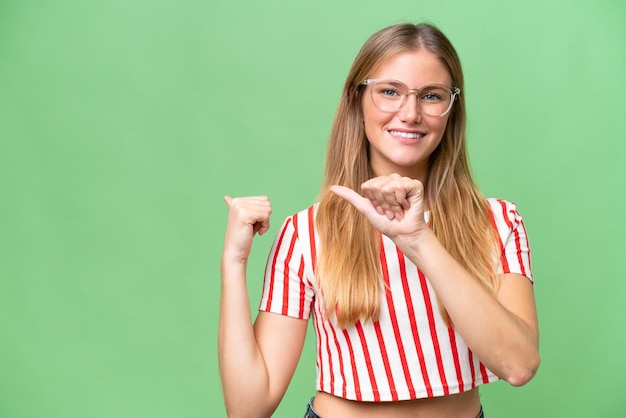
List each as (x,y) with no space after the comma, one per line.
(389,95)
(435,100)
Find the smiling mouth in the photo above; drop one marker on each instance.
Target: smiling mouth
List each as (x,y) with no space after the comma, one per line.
(409,135)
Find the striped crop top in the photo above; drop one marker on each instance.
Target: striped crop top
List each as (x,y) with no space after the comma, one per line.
(410,352)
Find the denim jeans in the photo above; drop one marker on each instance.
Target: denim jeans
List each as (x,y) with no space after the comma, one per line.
(310,412)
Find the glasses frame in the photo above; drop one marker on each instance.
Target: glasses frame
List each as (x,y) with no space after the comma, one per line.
(454,93)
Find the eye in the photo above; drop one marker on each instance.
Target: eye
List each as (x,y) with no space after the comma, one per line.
(388,92)
(431,96)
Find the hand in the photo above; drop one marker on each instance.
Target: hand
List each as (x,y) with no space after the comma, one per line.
(247,216)
(394,205)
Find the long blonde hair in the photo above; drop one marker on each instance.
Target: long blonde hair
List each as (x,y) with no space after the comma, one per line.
(348,268)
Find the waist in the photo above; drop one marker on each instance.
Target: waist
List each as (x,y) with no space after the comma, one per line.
(462,405)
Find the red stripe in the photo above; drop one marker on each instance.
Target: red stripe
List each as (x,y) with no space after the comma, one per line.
(273,269)
(312,237)
(302,288)
(414,330)
(355,374)
(504,214)
(505,263)
(518,247)
(528,261)
(457,360)
(341,372)
(392,312)
(318,332)
(318,316)
(483,372)
(286,271)
(385,357)
(518,243)
(433,333)
(470,359)
(265,278)
(368,361)
(330,358)
(295,224)
(394,325)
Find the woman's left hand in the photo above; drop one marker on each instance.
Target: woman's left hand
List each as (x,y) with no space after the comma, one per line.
(393,204)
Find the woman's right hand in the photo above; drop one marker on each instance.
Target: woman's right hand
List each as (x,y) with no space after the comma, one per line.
(246,217)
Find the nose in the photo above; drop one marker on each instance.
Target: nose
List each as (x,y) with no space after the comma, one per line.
(410,111)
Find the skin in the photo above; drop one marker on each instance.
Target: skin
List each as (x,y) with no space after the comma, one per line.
(502,331)
(391,153)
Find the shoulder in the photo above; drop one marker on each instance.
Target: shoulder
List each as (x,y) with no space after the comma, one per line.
(501,205)
(306,215)
(301,222)
(504,213)
(511,232)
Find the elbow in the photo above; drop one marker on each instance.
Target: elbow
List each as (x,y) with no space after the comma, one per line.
(523,372)
(239,407)
(236,411)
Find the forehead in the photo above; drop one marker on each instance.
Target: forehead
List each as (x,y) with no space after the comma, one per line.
(414,68)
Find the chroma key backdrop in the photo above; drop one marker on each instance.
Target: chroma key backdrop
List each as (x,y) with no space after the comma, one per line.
(123,123)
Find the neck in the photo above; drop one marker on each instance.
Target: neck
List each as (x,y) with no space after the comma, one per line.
(416,173)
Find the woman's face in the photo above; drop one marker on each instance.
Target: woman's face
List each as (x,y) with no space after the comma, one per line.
(401,142)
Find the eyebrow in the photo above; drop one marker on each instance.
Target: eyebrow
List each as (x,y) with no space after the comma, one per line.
(397,82)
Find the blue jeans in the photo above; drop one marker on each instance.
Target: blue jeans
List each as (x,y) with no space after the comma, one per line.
(310,412)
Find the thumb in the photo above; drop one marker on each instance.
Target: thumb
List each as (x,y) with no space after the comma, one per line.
(345,193)
(352,197)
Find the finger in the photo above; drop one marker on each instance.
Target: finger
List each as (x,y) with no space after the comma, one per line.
(253,211)
(395,196)
(400,197)
(387,195)
(235,203)
(346,193)
(362,204)
(371,190)
(262,227)
(416,192)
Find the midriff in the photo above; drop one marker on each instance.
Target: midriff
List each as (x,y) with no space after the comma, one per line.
(462,405)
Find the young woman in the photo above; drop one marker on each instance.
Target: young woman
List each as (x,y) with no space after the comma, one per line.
(420,288)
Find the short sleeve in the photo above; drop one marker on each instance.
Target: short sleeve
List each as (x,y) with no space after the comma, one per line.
(513,239)
(286,288)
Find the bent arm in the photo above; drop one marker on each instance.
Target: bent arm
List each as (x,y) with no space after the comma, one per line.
(502,330)
(256,361)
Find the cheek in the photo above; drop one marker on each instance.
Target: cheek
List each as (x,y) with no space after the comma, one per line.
(374,120)
(439,125)
(368,121)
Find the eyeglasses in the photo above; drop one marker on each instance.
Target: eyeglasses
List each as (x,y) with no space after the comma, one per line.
(391,95)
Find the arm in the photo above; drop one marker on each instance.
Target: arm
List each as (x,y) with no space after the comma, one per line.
(256,362)
(502,330)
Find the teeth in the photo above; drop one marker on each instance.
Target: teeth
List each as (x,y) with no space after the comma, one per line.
(410,135)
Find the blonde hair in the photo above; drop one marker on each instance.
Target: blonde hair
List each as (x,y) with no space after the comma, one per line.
(348,269)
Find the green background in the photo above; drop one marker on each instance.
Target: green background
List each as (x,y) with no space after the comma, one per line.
(124,122)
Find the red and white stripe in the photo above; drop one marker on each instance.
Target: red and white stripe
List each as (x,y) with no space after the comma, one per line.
(410,352)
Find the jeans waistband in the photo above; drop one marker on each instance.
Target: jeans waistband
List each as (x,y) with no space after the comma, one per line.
(310,412)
